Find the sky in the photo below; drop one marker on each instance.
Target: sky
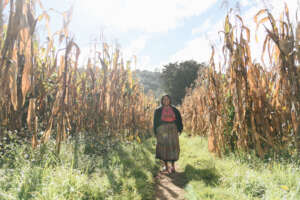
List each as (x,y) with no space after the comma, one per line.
(158,32)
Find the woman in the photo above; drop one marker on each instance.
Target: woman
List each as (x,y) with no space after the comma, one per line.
(167,127)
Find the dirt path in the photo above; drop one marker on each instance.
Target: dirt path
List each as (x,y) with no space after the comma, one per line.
(170,186)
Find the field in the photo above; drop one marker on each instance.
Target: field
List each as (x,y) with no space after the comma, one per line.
(127,171)
(70,131)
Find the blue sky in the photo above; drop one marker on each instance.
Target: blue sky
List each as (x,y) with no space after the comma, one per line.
(158,31)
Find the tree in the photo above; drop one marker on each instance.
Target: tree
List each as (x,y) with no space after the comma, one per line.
(179,76)
(151,81)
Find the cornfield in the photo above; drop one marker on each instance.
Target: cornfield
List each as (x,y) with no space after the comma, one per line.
(44,91)
(251,106)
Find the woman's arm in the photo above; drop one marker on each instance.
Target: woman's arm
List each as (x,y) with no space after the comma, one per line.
(155,121)
(178,120)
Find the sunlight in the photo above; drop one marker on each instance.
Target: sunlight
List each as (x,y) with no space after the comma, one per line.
(149,16)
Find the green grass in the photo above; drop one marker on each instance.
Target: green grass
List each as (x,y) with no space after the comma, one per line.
(110,169)
(107,170)
(235,177)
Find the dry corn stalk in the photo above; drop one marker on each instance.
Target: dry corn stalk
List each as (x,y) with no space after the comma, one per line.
(57,96)
(251,108)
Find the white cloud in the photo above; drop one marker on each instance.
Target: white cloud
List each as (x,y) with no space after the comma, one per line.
(197,49)
(244,3)
(143,15)
(159,16)
(133,51)
(136,46)
(204,27)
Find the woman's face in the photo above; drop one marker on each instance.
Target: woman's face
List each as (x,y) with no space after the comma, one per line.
(166,101)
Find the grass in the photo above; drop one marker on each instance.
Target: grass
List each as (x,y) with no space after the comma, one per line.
(112,170)
(235,177)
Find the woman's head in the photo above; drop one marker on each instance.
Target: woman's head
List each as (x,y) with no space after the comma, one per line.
(165,100)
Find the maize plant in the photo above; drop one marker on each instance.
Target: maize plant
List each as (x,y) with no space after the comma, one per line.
(252,106)
(44,90)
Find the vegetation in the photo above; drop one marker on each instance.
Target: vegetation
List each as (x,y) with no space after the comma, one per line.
(105,168)
(251,107)
(236,176)
(69,133)
(179,76)
(151,82)
(42,89)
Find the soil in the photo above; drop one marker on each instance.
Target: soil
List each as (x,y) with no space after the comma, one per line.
(170,186)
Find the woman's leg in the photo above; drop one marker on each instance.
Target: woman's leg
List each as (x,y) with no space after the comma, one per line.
(166,166)
(173,166)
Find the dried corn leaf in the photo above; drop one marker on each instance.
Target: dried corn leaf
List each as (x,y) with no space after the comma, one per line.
(259,13)
(13,86)
(31,113)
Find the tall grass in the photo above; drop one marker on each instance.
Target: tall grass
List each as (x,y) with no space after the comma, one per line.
(113,170)
(236,176)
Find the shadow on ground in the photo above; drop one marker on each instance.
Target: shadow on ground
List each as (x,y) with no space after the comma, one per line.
(134,165)
(161,195)
(209,176)
(172,186)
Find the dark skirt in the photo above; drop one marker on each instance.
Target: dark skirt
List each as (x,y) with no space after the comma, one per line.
(167,147)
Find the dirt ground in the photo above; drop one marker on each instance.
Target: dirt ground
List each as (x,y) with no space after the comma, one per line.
(170,186)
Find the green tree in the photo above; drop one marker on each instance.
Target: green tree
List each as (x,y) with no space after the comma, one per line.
(179,76)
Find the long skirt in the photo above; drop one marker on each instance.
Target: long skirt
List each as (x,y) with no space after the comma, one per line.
(167,147)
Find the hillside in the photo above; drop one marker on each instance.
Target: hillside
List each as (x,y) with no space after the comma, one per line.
(151,81)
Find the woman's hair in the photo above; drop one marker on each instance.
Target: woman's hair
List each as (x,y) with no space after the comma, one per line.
(162,98)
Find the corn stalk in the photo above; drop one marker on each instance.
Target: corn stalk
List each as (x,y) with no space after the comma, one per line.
(44,91)
(250,107)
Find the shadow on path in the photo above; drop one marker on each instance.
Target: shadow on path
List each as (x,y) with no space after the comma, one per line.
(169,190)
(171,186)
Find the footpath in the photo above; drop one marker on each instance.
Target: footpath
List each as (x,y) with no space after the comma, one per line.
(170,186)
